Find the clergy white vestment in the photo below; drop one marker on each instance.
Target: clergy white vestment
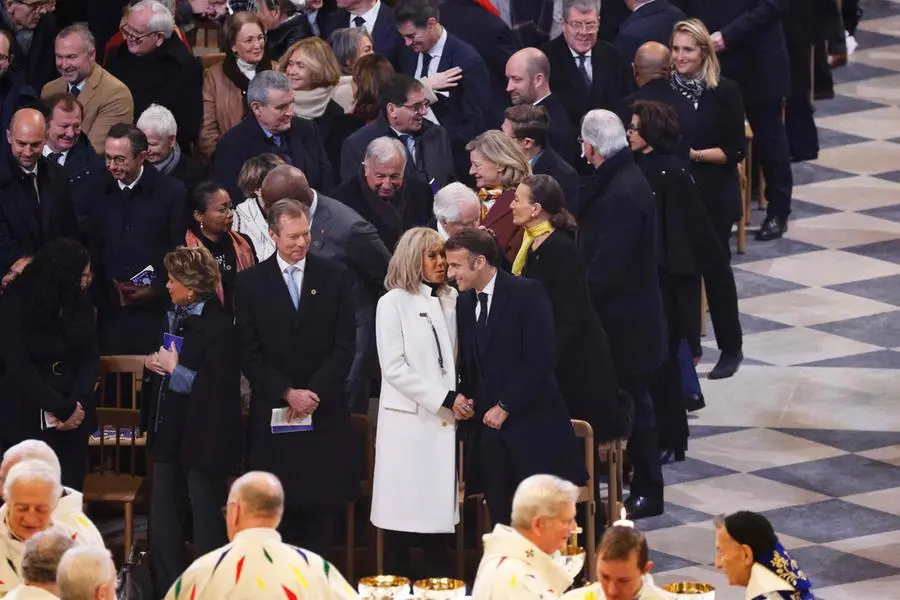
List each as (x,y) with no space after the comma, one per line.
(257,564)
(70,513)
(29,592)
(648,591)
(12,549)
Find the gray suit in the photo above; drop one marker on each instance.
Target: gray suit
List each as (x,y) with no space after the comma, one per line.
(339,233)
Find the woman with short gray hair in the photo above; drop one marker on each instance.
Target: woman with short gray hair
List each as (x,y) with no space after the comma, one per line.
(349,45)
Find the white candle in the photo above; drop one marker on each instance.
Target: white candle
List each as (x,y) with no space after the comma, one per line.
(623,520)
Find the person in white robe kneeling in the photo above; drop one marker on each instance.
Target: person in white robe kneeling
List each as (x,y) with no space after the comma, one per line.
(256,563)
(518,562)
(39,564)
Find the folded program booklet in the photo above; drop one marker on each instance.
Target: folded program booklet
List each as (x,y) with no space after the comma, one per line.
(281,424)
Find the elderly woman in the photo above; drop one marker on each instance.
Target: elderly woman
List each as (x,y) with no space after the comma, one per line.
(163,150)
(349,45)
(415,491)
(369,74)
(285,25)
(250,215)
(225,84)
(193,415)
(518,561)
(47,392)
(499,166)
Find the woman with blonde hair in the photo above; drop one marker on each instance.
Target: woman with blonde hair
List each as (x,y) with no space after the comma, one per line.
(719,143)
(415,486)
(499,165)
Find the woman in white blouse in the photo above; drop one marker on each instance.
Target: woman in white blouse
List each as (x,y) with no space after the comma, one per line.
(415,484)
(250,215)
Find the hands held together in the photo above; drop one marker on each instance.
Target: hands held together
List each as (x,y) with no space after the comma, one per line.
(463,408)
(162,362)
(302,403)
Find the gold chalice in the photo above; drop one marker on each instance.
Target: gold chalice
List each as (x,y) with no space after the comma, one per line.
(572,560)
(439,588)
(384,587)
(690,590)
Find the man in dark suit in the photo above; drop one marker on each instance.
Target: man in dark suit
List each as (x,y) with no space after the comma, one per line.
(294,315)
(33,30)
(403,109)
(612,14)
(136,217)
(375,16)
(649,21)
(36,206)
(463,111)
(528,77)
(506,363)
(617,239)
(385,194)
(163,150)
(271,127)
(340,234)
(652,63)
(15,93)
(529,125)
(492,39)
(586,73)
(68,147)
(749,41)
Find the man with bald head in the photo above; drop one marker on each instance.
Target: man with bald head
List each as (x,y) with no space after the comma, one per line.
(652,64)
(37,207)
(338,232)
(528,82)
(256,563)
(649,21)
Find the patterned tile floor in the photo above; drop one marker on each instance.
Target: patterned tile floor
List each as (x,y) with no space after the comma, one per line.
(808,432)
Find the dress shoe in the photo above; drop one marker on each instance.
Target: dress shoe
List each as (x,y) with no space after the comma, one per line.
(772,229)
(694,403)
(642,507)
(672,455)
(727,366)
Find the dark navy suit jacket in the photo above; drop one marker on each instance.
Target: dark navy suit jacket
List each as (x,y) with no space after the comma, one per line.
(649,23)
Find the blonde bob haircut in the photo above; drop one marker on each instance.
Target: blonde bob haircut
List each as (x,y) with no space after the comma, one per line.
(406,270)
(194,268)
(504,152)
(324,69)
(697,30)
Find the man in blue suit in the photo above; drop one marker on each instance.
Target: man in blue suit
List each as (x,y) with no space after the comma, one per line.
(507,360)
(649,21)
(464,110)
(375,16)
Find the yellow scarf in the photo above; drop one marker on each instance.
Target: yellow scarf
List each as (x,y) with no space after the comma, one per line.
(486,195)
(531,233)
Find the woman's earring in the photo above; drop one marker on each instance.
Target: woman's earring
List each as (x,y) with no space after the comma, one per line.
(201,225)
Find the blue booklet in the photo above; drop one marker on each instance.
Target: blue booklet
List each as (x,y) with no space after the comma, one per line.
(168,338)
(145,277)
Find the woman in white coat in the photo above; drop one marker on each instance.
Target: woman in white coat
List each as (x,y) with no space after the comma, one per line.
(415,486)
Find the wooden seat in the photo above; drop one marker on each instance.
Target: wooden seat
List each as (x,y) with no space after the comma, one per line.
(482,516)
(114,368)
(362,426)
(587,495)
(613,453)
(211,59)
(745,172)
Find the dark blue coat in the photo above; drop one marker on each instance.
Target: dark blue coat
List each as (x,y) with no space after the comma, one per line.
(38,66)
(84,168)
(15,93)
(649,23)
(659,90)
(549,162)
(562,137)
(386,40)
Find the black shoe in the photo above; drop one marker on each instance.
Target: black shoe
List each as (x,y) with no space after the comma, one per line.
(672,455)
(772,229)
(694,403)
(642,507)
(727,366)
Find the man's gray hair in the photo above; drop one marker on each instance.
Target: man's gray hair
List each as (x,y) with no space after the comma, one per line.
(384,149)
(82,30)
(158,118)
(31,450)
(448,199)
(31,471)
(541,496)
(604,131)
(82,570)
(258,90)
(161,18)
(582,6)
(43,551)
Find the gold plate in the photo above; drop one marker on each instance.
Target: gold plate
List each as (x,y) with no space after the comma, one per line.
(689,587)
(440,584)
(384,581)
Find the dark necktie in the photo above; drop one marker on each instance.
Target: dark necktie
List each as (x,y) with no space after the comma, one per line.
(54,157)
(581,58)
(74,90)
(410,144)
(359,21)
(276,139)
(481,324)
(426,63)
(31,189)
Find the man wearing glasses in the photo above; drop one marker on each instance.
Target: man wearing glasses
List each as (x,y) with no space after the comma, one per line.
(33,33)
(586,73)
(15,93)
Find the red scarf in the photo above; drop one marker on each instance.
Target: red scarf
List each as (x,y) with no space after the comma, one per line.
(486,5)
(242,251)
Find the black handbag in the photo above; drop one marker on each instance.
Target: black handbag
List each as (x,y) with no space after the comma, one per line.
(136,577)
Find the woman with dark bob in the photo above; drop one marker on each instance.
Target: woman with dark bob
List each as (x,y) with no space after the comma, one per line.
(193,416)
(50,356)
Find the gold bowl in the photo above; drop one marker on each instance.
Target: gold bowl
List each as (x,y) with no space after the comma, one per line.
(384,587)
(572,560)
(690,590)
(439,588)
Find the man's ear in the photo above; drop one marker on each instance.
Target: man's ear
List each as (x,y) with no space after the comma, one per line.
(647,567)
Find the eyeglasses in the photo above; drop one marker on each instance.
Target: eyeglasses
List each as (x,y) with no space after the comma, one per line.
(580,140)
(4,58)
(584,26)
(130,36)
(418,106)
(119,161)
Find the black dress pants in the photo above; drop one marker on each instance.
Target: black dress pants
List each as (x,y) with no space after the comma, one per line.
(71,447)
(772,154)
(643,445)
(309,527)
(434,546)
(500,478)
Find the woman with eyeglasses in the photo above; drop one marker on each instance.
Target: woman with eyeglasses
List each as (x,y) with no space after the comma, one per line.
(414,496)
(284,23)
(225,84)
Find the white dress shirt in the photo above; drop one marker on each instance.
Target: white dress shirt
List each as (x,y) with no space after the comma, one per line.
(588,66)
(131,185)
(435,53)
(369,16)
(489,290)
(249,220)
(61,161)
(297,275)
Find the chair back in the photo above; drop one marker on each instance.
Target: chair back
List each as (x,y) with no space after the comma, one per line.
(120,433)
(112,369)
(364,428)
(585,433)
(211,59)
(587,495)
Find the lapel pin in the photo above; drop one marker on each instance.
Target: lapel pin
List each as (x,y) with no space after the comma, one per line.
(312,291)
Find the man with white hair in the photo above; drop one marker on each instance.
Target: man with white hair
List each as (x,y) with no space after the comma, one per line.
(518,561)
(68,511)
(87,573)
(31,492)
(617,240)
(39,565)
(163,150)
(256,563)
(456,206)
(384,193)
(158,68)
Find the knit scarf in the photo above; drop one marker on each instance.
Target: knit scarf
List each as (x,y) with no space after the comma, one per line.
(692,89)
(242,251)
(168,164)
(311,104)
(531,234)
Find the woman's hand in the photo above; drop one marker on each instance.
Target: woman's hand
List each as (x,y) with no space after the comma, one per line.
(445,80)
(167,359)
(74,421)
(151,363)
(463,409)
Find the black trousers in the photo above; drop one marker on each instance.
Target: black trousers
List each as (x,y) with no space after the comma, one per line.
(721,293)
(772,154)
(643,445)
(500,479)
(72,449)
(434,546)
(309,527)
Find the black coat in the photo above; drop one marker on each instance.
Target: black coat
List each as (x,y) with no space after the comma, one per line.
(190,172)
(515,367)
(301,147)
(612,14)
(279,39)
(612,78)
(170,76)
(386,40)
(755,54)
(410,208)
(202,429)
(310,348)
(26,225)
(549,162)
(15,93)
(563,137)
(659,90)
(584,363)
(335,127)
(39,65)
(617,238)
(84,168)
(649,23)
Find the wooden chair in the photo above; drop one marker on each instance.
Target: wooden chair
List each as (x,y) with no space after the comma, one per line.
(585,433)
(115,482)
(745,171)
(116,366)
(482,516)
(211,59)
(362,426)
(613,453)
(704,308)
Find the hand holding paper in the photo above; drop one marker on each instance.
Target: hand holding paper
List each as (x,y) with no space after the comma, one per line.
(301,403)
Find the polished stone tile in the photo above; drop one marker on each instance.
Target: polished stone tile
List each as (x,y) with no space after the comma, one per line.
(884,500)
(875,589)
(693,543)
(773,249)
(674,516)
(880,329)
(857,71)
(883,89)
(692,469)
(885,213)
(887,251)
(878,9)
(892,176)
(870,39)
(823,268)
(875,123)
(840,230)
(880,359)
(889,454)
(846,440)
(702,431)
(749,324)
(799,346)
(837,476)
(812,306)
(852,193)
(889,25)
(866,158)
(754,449)
(880,547)
(721,495)
(806,173)
(830,521)
(666,562)
(801,210)
(882,289)
(833,139)
(751,285)
(887,57)
(826,567)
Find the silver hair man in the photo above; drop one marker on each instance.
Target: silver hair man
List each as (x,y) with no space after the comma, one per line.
(384,150)
(159,119)
(29,450)
(603,135)
(263,83)
(33,471)
(161,18)
(87,573)
(40,563)
(456,207)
